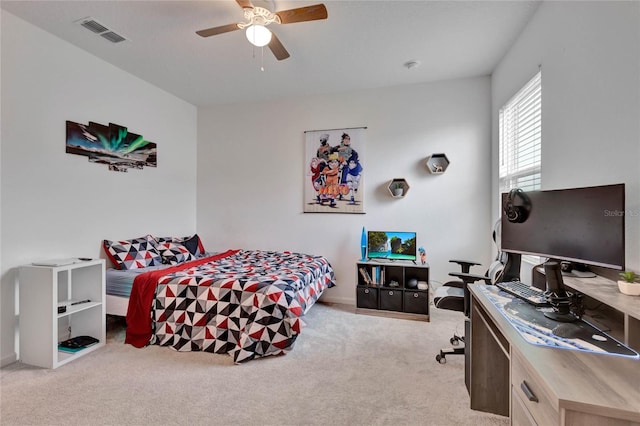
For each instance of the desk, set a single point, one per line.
(623, 312)
(540, 385)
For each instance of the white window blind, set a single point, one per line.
(520, 131)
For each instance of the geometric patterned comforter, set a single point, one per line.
(248, 304)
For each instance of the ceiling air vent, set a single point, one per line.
(93, 25)
(97, 28)
(113, 37)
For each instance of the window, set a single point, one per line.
(520, 134)
(520, 131)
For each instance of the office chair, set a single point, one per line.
(454, 295)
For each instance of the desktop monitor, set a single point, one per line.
(582, 225)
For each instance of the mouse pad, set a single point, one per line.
(537, 329)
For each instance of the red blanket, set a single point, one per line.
(142, 293)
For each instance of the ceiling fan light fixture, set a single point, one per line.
(258, 35)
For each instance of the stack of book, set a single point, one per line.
(77, 343)
(378, 275)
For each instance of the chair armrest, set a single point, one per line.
(470, 278)
(456, 284)
(465, 264)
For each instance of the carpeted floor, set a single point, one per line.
(345, 369)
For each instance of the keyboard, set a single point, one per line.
(529, 294)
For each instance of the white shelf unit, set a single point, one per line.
(42, 288)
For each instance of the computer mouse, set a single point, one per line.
(567, 330)
(599, 338)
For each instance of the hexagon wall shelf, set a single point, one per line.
(398, 188)
(437, 163)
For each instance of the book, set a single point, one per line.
(69, 350)
(365, 275)
(77, 343)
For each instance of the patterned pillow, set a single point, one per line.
(133, 254)
(174, 253)
(193, 244)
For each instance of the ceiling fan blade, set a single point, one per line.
(245, 4)
(277, 48)
(217, 30)
(302, 14)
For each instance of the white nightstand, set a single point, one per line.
(42, 290)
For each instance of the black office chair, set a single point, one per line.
(454, 295)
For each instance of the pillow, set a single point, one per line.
(174, 253)
(193, 244)
(133, 254)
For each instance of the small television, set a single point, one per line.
(582, 225)
(391, 245)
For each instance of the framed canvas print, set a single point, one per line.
(334, 177)
(113, 145)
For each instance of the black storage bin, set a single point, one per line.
(367, 297)
(391, 299)
(416, 302)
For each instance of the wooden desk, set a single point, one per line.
(541, 385)
(622, 312)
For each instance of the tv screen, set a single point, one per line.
(584, 225)
(391, 245)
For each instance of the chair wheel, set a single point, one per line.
(455, 341)
(441, 359)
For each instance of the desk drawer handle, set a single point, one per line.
(366, 291)
(416, 295)
(390, 293)
(530, 395)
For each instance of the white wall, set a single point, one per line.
(251, 170)
(58, 205)
(590, 59)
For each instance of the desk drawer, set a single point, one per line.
(520, 415)
(536, 400)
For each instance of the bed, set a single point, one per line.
(245, 303)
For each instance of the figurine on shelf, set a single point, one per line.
(423, 255)
(437, 168)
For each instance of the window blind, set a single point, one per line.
(520, 134)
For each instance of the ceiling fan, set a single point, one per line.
(258, 18)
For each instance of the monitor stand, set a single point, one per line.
(561, 309)
(556, 293)
(557, 316)
(579, 274)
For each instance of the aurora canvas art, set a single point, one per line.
(113, 145)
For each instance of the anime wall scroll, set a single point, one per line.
(334, 171)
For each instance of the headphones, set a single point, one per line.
(517, 214)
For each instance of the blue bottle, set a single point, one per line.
(363, 245)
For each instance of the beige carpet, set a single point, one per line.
(345, 369)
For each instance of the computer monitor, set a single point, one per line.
(584, 225)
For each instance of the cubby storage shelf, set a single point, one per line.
(385, 289)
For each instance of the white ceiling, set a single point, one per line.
(361, 45)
